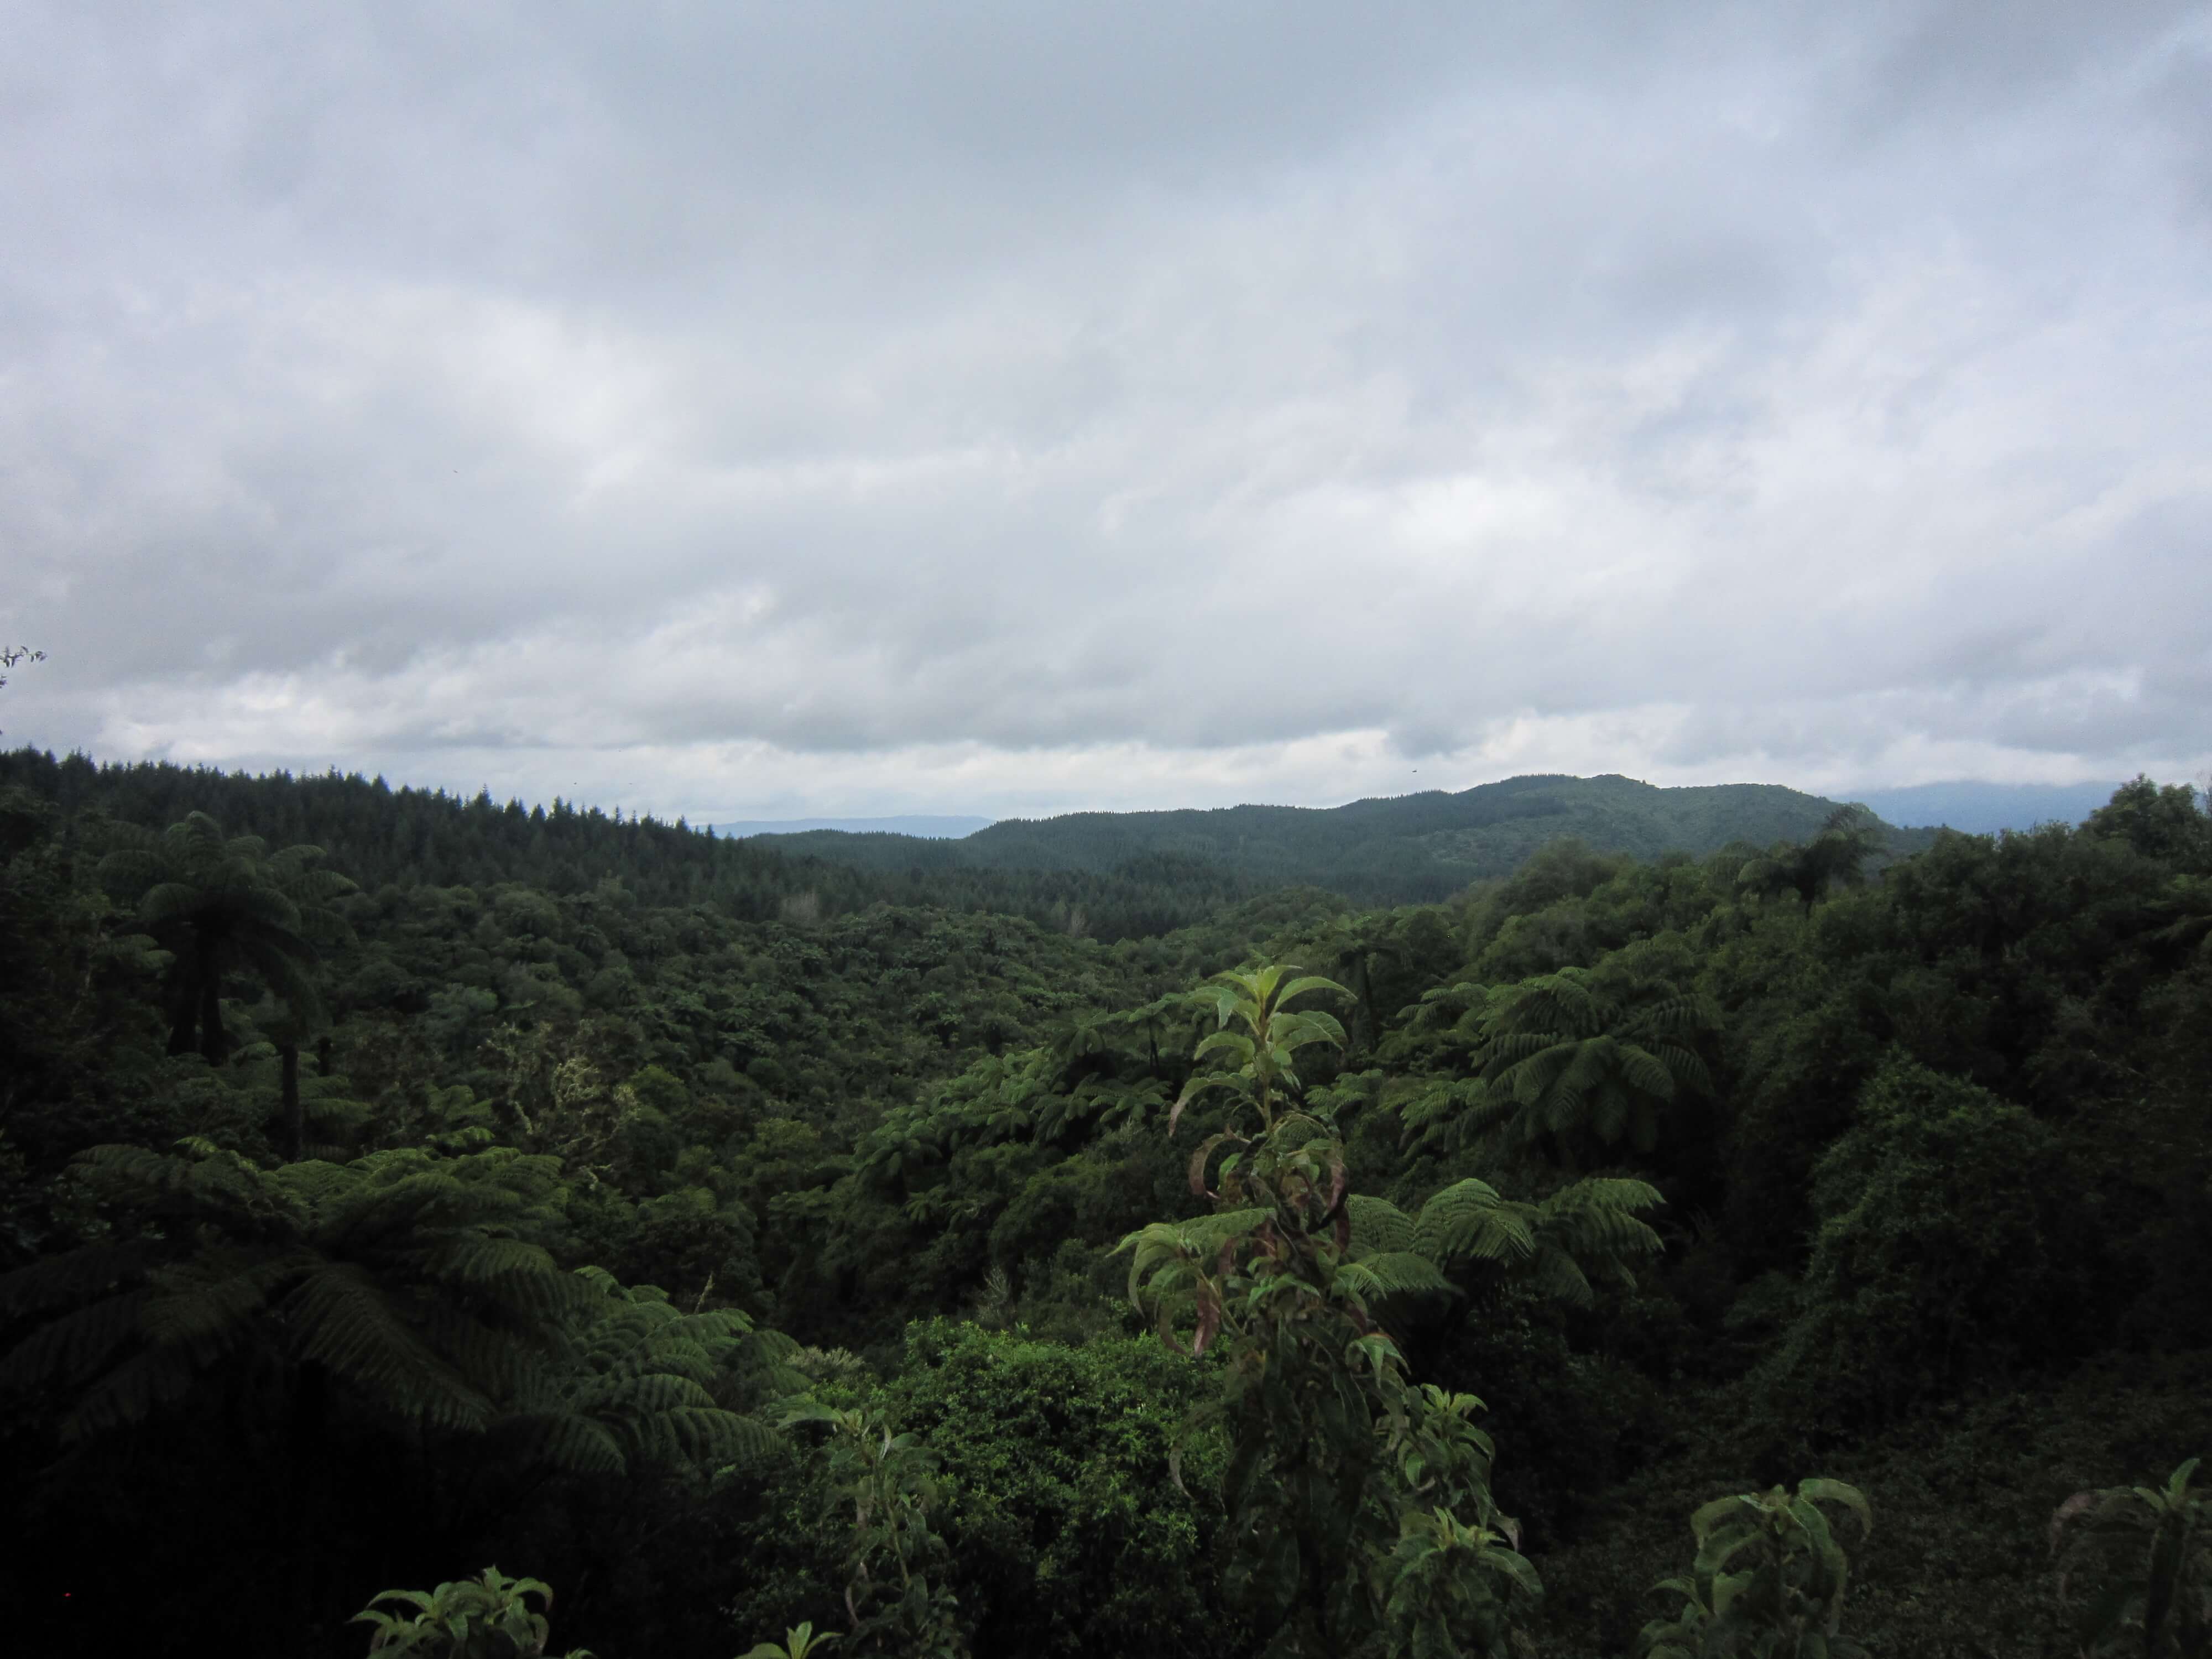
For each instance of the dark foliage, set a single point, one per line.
(1927, 1142)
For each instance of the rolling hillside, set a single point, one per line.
(1408, 848)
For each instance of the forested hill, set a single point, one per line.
(1108, 875)
(1399, 850)
(385, 836)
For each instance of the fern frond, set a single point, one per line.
(316, 1182)
(1600, 1214)
(1469, 1218)
(650, 1396)
(1395, 1273)
(500, 1362)
(475, 1259)
(730, 1437)
(1379, 1225)
(1554, 1272)
(345, 1322)
(583, 1447)
(131, 1392)
(60, 1280)
(222, 1178)
(64, 1352)
(204, 1304)
(1208, 1233)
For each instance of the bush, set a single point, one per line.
(1949, 1248)
(1071, 1535)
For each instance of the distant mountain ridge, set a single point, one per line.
(1397, 849)
(924, 826)
(1114, 874)
(1983, 809)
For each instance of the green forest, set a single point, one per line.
(1569, 1218)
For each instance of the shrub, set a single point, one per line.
(1069, 1531)
(1942, 1252)
(2147, 1554)
(1769, 1580)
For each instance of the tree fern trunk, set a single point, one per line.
(184, 1023)
(210, 972)
(287, 1092)
(302, 1506)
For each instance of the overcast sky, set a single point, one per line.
(749, 411)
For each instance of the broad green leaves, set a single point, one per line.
(1355, 1502)
(890, 1480)
(1768, 1581)
(798, 1643)
(2146, 1555)
(485, 1618)
(1265, 1051)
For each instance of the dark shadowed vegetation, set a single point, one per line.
(1410, 1230)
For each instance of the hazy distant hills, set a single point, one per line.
(1408, 847)
(921, 826)
(1983, 809)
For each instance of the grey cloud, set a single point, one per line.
(1205, 380)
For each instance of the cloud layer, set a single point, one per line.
(755, 411)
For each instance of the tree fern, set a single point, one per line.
(403, 1275)
(224, 904)
(1392, 1272)
(1378, 1224)
(1592, 1228)
(1574, 1060)
(636, 1385)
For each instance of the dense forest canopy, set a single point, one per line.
(1162, 1246)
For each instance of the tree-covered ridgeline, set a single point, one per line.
(1404, 850)
(393, 1186)
(384, 836)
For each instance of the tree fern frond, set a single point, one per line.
(648, 1395)
(1469, 1218)
(1600, 1215)
(205, 1304)
(583, 1447)
(1554, 1272)
(1208, 1233)
(65, 1352)
(59, 1280)
(1393, 1273)
(131, 1392)
(475, 1259)
(1378, 1224)
(211, 1180)
(1643, 1070)
(498, 1362)
(717, 1437)
(346, 1322)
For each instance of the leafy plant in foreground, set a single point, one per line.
(1455, 1587)
(1769, 1579)
(890, 1479)
(1345, 1483)
(486, 1617)
(2149, 1551)
(798, 1643)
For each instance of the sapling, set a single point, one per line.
(1768, 1581)
(2147, 1553)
